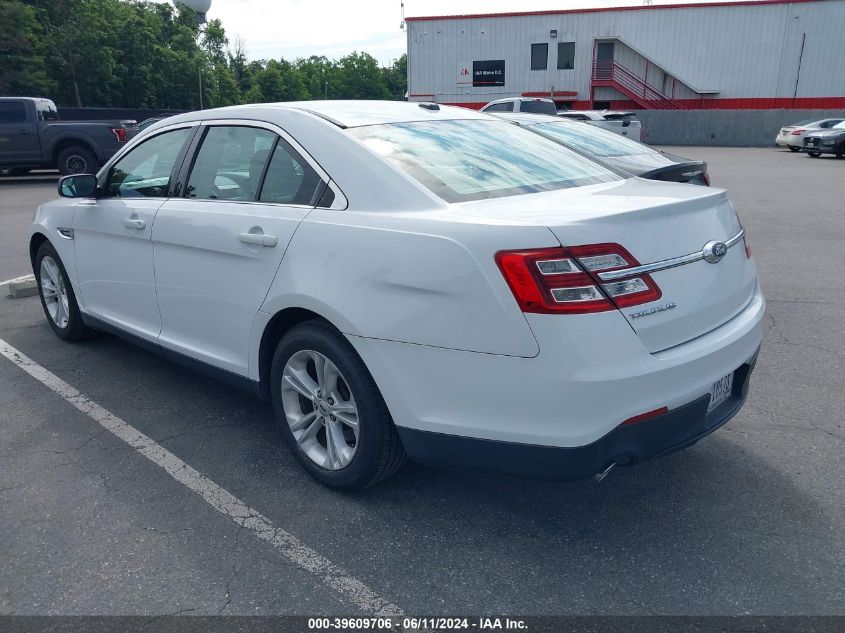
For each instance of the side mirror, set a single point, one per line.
(78, 186)
(626, 121)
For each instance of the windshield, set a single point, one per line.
(591, 139)
(476, 159)
(839, 126)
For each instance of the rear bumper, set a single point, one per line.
(625, 445)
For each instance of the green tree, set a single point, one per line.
(23, 70)
(396, 77)
(359, 77)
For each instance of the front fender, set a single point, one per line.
(49, 218)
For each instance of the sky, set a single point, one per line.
(299, 28)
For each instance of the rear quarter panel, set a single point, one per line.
(407, 278)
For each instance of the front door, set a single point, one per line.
(112, 235)
(218, 248)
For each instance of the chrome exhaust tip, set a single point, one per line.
(600, 476)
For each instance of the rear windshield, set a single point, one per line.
(538, 107)
(591, 139)
(473, 160)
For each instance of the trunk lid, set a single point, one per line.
(655, 222)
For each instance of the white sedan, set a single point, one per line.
(404, 279)
(792, 136)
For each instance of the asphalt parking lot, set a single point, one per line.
(751, 520)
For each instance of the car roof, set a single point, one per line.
(529, 118)
(346, 114)
(513, 99)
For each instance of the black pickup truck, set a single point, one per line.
(32, 137)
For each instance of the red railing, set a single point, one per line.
(632, 86)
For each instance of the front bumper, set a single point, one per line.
(819, 146)
(625, 445)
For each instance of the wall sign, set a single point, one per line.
(489, 72)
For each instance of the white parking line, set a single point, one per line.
(218, 498)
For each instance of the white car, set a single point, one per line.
(532, 105)
(623, 123)
(792, 136)
(412, 279)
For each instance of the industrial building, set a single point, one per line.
(720, 55)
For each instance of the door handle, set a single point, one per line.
(132, 223)
(259, 239)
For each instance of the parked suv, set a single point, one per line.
(521, 104)
(32, 137)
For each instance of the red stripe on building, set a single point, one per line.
(472, 16)
(761, 103)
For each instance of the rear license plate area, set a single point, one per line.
(720, 391)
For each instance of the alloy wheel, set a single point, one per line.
(320, 409)
(54, 291)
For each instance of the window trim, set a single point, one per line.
(559, 44)
(546, 60)
(175, 173)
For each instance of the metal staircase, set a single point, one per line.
(612, 74)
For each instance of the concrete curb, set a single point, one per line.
(19, 287)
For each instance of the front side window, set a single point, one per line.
(145, 171)
(12, 112)
(591, 139)
(565, 55)
(230, 163)
(539, 56)
(463, 160)
(289, 179)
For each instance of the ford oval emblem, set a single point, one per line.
(714, 252)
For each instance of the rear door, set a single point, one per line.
(217, 249)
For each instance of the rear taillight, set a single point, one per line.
(565, 280)
(119, 134)
(706, 178)
(798, 132)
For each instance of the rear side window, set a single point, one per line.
(145, 170)
(591, 139)
(538, 107)
(230, 163)
(46, 111)
(12, 112)
(289, 179)
(473, 159)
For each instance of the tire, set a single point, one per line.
(814, 154)
(793, 148)
(50, 274)
(364, 459)
(77, 159)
